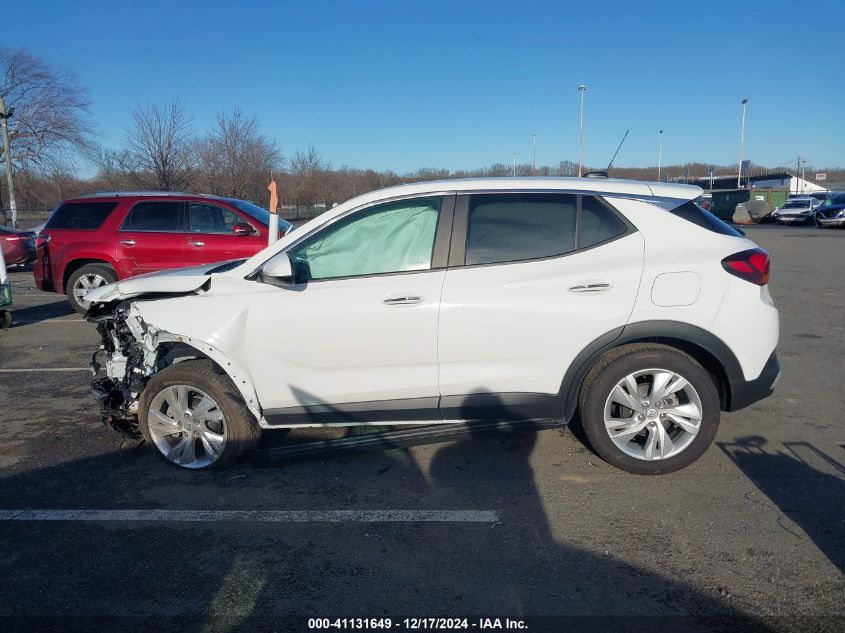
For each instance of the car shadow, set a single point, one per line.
(806, 484)
(252, 575)
(29, 315)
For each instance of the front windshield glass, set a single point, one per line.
(839, 198)
(795, 205)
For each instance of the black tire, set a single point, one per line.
(103, 270)
(628, 359)
(242, 428)
(6, 319)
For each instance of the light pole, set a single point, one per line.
(4, 117)
(741, 141)
(534, 154)
(514, 164)
(659, 155)
(582, 88)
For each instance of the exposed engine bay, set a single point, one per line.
(131, 350)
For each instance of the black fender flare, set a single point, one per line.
(704, 346)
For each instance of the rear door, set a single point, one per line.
(533, 278)
(150, 238)
(211, 237)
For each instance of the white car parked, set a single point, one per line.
(493, 299)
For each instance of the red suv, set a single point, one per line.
(96, 240)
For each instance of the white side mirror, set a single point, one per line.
(279, 267)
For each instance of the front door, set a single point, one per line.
(211, 236)
(354, 339)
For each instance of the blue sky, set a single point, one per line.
(402, 85)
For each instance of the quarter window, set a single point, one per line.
(158, 216)
(598, 223)
(388, 238)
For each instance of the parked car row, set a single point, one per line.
(823, 211)
(18, 246)
(96, 240)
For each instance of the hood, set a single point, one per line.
(167, 281)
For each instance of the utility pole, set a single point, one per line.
(582, 88)
(4, 117)
(514, 164)
(803, 179)
(534, 154)
(741, 142)
(659, 155)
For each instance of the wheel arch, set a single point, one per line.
(175, 349)
(75, 264)
(705, 347)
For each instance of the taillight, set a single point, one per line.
(42, 240)
(751, 265)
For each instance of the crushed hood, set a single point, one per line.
(167, 281)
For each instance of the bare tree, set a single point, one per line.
(51, 119)
(235, 157)
(159, 148)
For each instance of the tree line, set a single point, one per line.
(52, 128)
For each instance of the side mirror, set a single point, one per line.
(242, 228)
(279, 268)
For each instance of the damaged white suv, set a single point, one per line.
(492, 299)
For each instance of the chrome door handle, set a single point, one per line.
(193, 243)
(402, 301)
(128, 242)
(591, 286)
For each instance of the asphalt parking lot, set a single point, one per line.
(512, 524)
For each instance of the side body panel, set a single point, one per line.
(516, 327)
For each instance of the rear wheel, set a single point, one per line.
(86, 279)
(195, 417)
(649, 409)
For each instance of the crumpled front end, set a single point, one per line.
(130, 352)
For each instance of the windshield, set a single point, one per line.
(256, 212)
(796, 204)
(838, 198)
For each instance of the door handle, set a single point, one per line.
(591, 286)
(128, 242)
(195, 243)
(403, 301)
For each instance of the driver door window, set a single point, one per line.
(387, 238)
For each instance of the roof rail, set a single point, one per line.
(147, 193)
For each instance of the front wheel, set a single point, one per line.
(195, 417)
(649, 409)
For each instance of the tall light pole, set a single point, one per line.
(534, 154)
(582, 88)
(4, 117)
(659, 155)
(514, 164)
(741, 142)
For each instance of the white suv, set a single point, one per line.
(504, 299)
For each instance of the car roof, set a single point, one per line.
(608, 186)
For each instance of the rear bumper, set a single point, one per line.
(747, 392)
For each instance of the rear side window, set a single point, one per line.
(691, 212)
(598, 223)
(518, 227)
(85, 216)
(153, 215)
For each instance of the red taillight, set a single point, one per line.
(752, 265)
(41, 240)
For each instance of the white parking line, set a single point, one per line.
(257, 516)
(29, 370)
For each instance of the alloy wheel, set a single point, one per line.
(85, 284)
(187, 426)
(653, 414)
